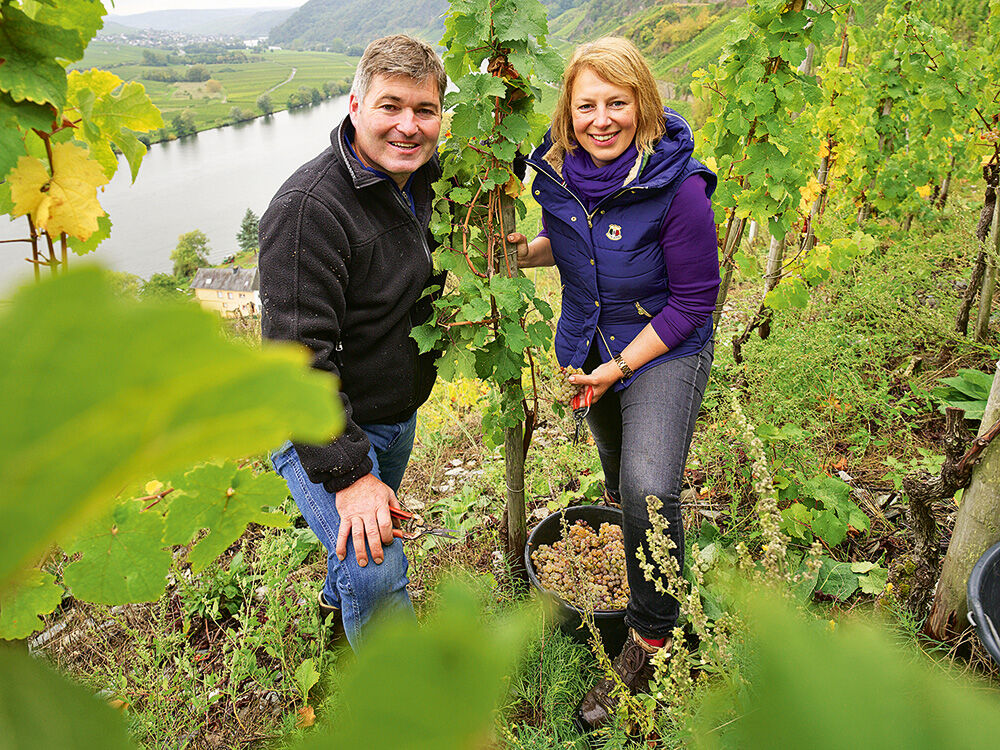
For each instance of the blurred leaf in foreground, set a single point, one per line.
(810, 684)
(41, 709)
(98, 392)
(428, 687)
(20, 610)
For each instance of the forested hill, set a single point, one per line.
(339, 24)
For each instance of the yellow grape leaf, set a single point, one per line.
(810, 192)
(96, 82)
(513, 188)
(153, 487)
(65, 201)
(824, 150)
(924, 191)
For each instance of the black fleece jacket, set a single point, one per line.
(343, 267)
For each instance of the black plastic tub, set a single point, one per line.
(610, 623)
(984, 600)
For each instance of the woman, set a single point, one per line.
(628, 222)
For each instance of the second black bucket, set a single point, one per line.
(610, 623)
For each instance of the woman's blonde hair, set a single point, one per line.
(617, 61)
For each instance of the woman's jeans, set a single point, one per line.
(377, 587)
(643, 434)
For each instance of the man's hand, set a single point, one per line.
(364, 513)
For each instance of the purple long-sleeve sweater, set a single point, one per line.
(691, 259)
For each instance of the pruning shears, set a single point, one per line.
(419, 525)
(580, 403)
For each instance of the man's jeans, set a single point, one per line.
(359, 592)
(643, 434)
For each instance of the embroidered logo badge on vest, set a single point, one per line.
(614, 232)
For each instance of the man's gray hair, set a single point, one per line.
(398, 55)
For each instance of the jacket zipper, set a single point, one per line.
(409, 314)
(420, 231)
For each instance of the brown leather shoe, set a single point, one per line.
(635, 668)
(336, 624)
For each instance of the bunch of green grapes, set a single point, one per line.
(585, 569)
(565, 390)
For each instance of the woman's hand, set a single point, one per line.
(603, 377)
(538, 252)
(522, 247)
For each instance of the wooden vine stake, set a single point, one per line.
(977, 527)
(515, 445)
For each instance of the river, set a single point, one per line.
(204, 182)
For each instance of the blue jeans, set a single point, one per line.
(377, 587)
(643, 434)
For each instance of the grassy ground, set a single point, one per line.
(833, 389)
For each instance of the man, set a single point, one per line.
(344, 261)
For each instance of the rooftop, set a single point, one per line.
(227, 279)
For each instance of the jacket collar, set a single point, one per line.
(666, 163)
(361, 176)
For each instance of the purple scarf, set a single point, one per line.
(593, 183)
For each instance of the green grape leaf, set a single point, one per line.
(11, 148)
(123, 559)
(112, 109)
(460, 195)
(828, 527)
(515, 127)
(796, 521)
(76, 720)
(26, 115)
(20, 608)
(80, 247)
(30, 70)
(426, 336)
(123, 410)
(133, 149)
(17, 118)
(519, 20)
(836, 579)
(86, 17)
(874, 581)
(505, 150)
(223, 499)
(790, 293)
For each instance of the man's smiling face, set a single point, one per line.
(397, 124)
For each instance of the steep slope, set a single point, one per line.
(676, 37)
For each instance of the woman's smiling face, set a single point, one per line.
(604, 117)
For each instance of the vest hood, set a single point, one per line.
(668, 161)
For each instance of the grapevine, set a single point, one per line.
(58, 130)
(489, 318)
